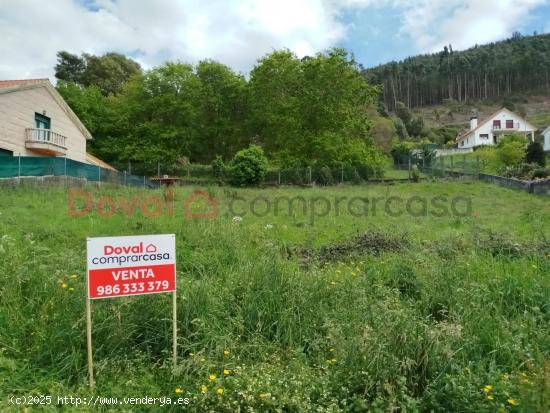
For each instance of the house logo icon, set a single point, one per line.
(150, 248)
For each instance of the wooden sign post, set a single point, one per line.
(133, 265)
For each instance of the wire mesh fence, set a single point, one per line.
(26, 166)
(195, 174)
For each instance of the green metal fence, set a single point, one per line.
(22, 166)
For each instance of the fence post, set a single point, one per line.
(99, 174)
(442, 162)
(477, 162)
(188, 171)
(19, 168)
(279, 177)
(342, 180)
(309, 172)
(144, 181)
(409, 167)
(452, 166)
(124, 178)
(158, 169)
(65, 170)
(130, 167)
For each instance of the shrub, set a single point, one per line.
(415, 174)
(248, 167)
(510, 150)
(401, 152)
(218, 168)
(535, 154)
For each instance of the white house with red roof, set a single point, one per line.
(36, 121)
(490, 130)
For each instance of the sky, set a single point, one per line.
(239, 32)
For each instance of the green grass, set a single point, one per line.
(466, 303)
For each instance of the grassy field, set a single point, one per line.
(339, 306)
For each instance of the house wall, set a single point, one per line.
(17, 110)
(487, 128)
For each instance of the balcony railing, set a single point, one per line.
(45, 140)
(505, 127)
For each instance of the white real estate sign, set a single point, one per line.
(140, 264)
(132, 265)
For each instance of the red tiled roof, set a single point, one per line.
(20, 82)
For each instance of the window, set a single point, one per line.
(461, 143)
(484, 136)
(509, 124)
(496, 124)
(41, 121)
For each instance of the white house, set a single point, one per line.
(546, 134)
(490, 130)
(36, 121)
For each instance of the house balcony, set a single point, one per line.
(505, 128)
(45, 142)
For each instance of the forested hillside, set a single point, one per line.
(520, 64)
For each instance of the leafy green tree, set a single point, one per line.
(69, 67)
(275, 89)
(303, 109)
(108, 72)
(222, 111)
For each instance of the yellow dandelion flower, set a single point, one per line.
(512, 402)
(490, 397)
(264, 395)
(353, 274)
(191, 354)
(178, 390)
(71, 289)
(74, 276)
(212, 377)
(226, 352)
(487, 388)
(204, 389)
(226, 372)
(219, 391)
(333, 361)
(202, 360)
(534, 266)
(64, 285)
(331, 350)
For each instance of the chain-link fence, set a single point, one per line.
(23, 166)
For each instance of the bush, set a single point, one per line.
(218, 168)
(535, 154)
(524, 171)
(248, 167)
(510, 150)
(415, 174)
(401, 152)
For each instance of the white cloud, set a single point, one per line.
(233, 32)
(463, 23)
